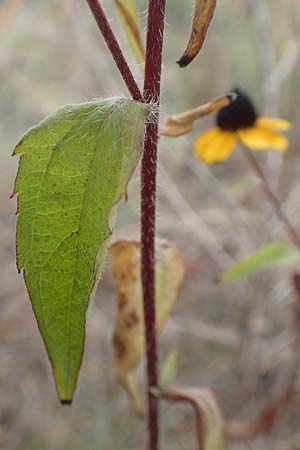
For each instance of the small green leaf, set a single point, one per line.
(168, 373)
(169, 370)
(271, 255)
(74, 168)
(156, 392)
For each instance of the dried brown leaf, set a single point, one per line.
(182, 123)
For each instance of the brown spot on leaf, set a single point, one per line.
(132, 319)
(122, 301)
(119, 346)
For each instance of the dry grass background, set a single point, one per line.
(232, 338)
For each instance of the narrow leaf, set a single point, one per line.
(169, 370)
(271, 255)
(74, 168)
(131, 23)
(129, 340)
(203, 14)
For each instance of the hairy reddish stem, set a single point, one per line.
(156, 11)
(151, 94)
(114, 48)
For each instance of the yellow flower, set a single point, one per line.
(239, 122)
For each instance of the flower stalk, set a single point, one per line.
(272, 197)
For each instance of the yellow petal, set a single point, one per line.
(273, 123)
(260, 138)
(215, 145)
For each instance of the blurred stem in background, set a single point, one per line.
(273, 70)
(272, 197)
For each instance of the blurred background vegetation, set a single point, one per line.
(233, 338)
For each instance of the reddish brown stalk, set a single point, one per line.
(156, 11)
(114, 48)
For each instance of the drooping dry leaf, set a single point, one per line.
(209, 421)
(182, 123)
(128, 339)
(203, 14)
(131, 23)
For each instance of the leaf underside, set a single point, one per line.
(74, 168)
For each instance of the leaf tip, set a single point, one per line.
(66, 401)
(184, 61)
(16, 150)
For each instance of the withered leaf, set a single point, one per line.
(128, 339)
(180, 124)
(203, 14)
(209, 421)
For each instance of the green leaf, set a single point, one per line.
(169, 370)
(168, 373)
(74, 168)
(271, 255)
(156, 392)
